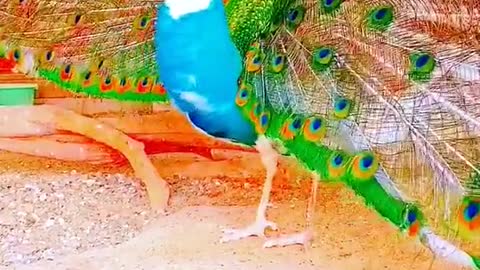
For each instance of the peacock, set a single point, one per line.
(375, 94)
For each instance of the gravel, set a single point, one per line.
(46, 215)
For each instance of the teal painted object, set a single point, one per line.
(17, 94)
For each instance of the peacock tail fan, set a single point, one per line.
(101, 48)
(378, 94)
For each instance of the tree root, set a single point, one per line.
(41, 120)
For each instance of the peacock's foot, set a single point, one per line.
(255, 229)
(304, 238)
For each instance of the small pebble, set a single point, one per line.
(42, 197)
(49, 223)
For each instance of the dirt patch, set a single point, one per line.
(208, 196)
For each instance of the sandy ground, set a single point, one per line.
(63, 215)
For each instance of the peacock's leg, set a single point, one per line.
(303, 238)
(37, 120)
(269, 157)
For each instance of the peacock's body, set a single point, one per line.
(377, 94)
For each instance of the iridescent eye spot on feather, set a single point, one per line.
(411, 217)
(243, 95)
(364, 166)
(278, 63)
(342, 107)
(45, 58)
(100, 63)
(88, 75)
(15, 55)
(471, 211)
(422, 66)
(296, 124)
(123, 81)
(412, 221)
(141, 22)
(75, 19)
(106, 84)
(144, 85)
(322, 58)
(469, 216)
(314, 129)
(380, 18)
(123, 85)
(263, 121)
(254, 63)
(48, 56)
(291, 128)
(330, 6)
(96, 65)
(67, 72)
(295, 17)
(87, 78)
(337, 166)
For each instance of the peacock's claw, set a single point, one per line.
(255, 229)
(304, 238)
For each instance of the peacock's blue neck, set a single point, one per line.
(199, 66)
